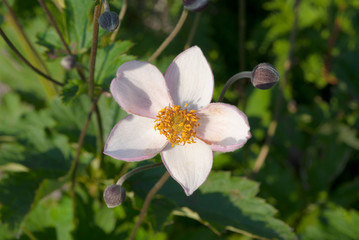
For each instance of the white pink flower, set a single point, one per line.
(172, 115)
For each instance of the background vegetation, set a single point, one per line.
(296, 178)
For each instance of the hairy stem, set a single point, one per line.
(13, 48)
(97, 12)
(137, 170)
(170, 37)
(233, 79)
(273, 124)
(147, 202)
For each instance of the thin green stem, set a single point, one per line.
(137, 170)
(273, 124)
(54, 24)
(97, 12)
(147, 202)
(120, 18)
(234, 78)
(14, 49)
(170, 37)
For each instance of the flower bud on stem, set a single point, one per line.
(108, 19)
(115, 194)
(264, 76)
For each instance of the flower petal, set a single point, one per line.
(140, 89)
(190, 80)
(189, 165)
(223, 126)
(134, 139)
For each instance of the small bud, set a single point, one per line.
(108, 21)
(114, 195)
(195, 5)
(264, 76)
(68, 62)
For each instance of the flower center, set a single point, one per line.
(177, 124)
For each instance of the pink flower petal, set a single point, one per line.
(134, 139)
(189, 165)
(140, 89)
(223, 126)
(190, 79)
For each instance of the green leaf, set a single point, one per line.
(72, 90)
(224, 202)
(109, 59)
(78, 22)
(330, 223)
(44, 156)
(54, 212)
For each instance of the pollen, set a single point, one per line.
(177, 124)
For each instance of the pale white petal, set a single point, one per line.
(140, 89)
(190, 80)
(134, 139)
(223, 126)
(189, 165)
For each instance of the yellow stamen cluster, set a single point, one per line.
(177, 124)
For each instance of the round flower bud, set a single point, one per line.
(195, 5)
(68, 62)
(264, 76)
(108, 21)
(114, 195)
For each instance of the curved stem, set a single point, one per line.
(171, 36)
(120, 18)
(234, 78)
(273, 125)
(9, 43)
(147, 202)
(97, 12)
(193, 31)
(137, 170)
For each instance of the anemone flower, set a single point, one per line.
(172, 115)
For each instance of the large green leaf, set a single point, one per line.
(224, 202)
(34, 158)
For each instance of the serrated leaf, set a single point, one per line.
(222, 201)
(109, 59)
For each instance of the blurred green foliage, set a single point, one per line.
(308, 185)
